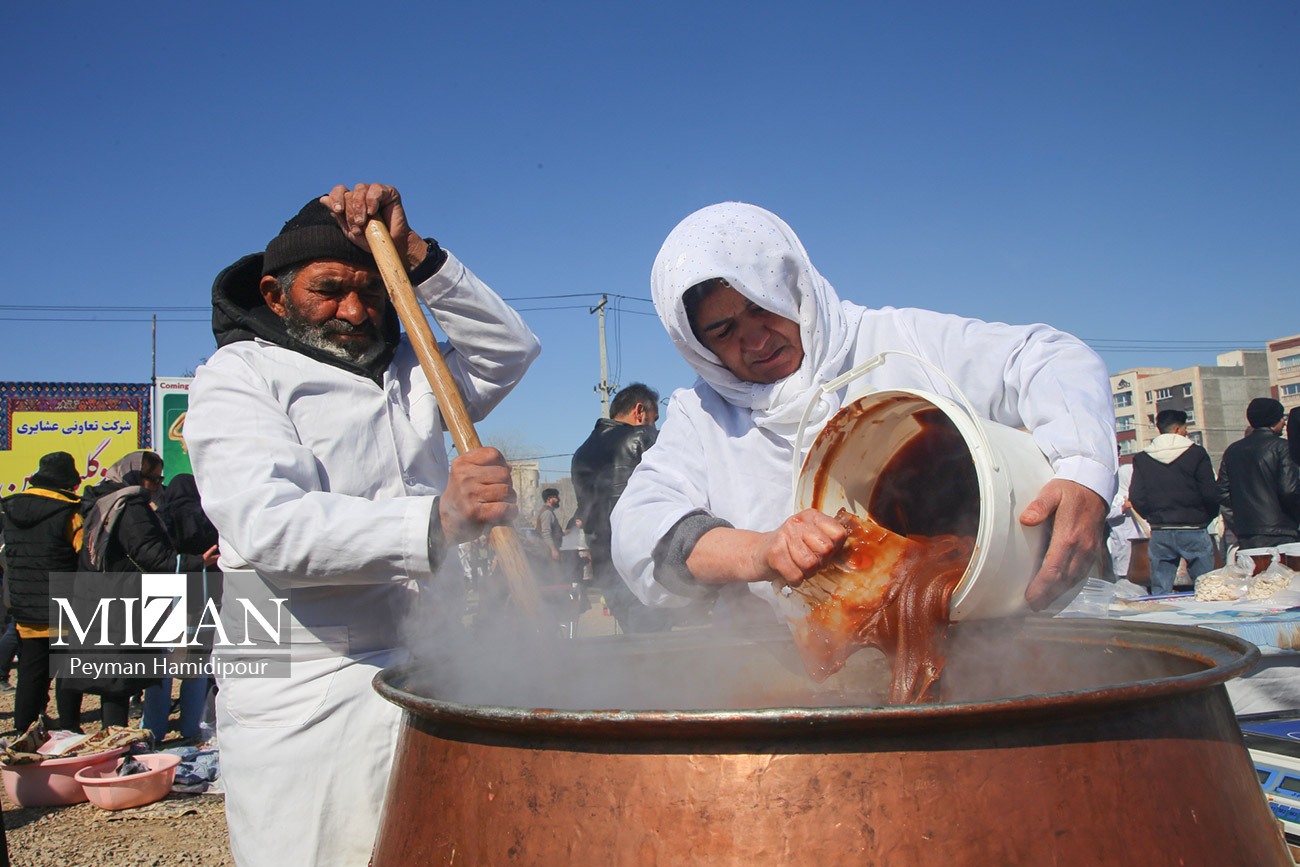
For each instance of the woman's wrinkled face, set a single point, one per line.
(755, 344)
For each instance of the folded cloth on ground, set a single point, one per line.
(198, 770)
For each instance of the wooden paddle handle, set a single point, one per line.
(505, 541)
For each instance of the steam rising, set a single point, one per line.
(510, 664)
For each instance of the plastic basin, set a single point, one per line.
(107, 790)
(53, 782)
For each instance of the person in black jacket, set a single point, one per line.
(1260, 481)
(180, 508)
(124, 536)
(600, 469)
(42, 535)
(1173, 489)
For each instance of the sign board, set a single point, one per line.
(96, 423)
(171, 400)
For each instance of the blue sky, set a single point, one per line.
(1129, 172)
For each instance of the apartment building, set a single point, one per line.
(1214, 398)
(1284, 369)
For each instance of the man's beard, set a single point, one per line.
(318, 336)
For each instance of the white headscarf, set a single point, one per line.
(762, 258)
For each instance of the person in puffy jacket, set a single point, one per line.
(1260, 481)
(42, 535)
(1174, 490)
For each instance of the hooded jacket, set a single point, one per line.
(726, 450)
(1260, 485)
(240, 313)
(42, 532)
(1173, 484)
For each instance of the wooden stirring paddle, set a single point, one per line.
(505, 541)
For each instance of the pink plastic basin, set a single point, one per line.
(107, 790)
(53, 782)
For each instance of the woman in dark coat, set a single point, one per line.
(123, 535)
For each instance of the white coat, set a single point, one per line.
(322, 483)
(726, 447)
(1122, 525)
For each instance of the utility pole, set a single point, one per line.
(153, 350)
(605, 388)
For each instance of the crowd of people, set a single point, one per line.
(1171, 496)
(318, 446)
(124, 525)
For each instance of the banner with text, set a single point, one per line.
(96, 423)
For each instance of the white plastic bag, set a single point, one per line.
(1228, 584)
(1274, 579)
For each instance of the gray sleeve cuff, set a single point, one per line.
(677, 544)
(437, 541)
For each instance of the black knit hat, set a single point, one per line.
(58, 471)
(312, 234)
(1264, 412)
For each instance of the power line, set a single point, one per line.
(95, 319)
(576, 295)
(124, 307)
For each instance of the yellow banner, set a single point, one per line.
(96, 440)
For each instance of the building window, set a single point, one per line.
(1164, 393)
(1196, 437)
(1288, 361)
(1191, 415)
(1187, 390)
(1291, 390)
(1148, 397)
(1124, 422)
(1151, 420)
(1128, 447)
(1124, 398)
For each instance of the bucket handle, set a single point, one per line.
(867, 366)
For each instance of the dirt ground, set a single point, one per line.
(182, 829)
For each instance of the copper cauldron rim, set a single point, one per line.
(1225, 656)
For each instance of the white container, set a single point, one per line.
(844, 469)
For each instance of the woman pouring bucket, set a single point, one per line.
(710, 510)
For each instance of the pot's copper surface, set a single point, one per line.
(1128, 755)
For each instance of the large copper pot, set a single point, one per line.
(1117, 745)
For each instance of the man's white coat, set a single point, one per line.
(321, 483)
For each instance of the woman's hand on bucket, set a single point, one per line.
(1078, 513)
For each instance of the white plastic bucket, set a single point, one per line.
(845, 467)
